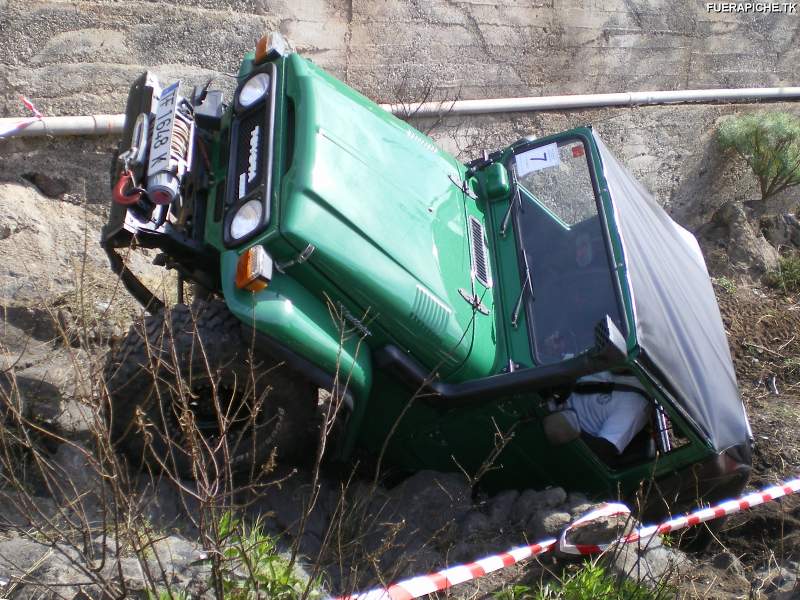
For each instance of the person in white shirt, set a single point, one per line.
(607, 409)
(611, 409)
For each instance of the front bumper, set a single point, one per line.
(125, 228)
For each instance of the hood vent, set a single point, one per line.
(429, 312)
(480, 259)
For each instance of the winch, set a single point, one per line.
(168, 135)
(171, 146)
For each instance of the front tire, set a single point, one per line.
(186, 394)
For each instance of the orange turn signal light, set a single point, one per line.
(270, 46)
(254, 269)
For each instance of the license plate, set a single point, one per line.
(163, 129)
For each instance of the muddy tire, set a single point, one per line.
(184, 393)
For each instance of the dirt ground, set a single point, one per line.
(763, 327)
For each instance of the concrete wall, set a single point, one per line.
(79, 57)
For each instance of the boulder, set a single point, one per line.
(54, 277)
(733, 245)
(781, 230)
(650, 564)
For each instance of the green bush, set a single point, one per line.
(726, 284)
(590, 582)
(787, 276)
(770, 143)
(254, 568)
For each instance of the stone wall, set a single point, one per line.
(79, 57)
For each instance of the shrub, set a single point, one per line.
(787, 276)
(770, 144)
(253, 566)
(726, 284)
(590, 582)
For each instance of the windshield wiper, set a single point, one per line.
(526, 285)
(507, 216)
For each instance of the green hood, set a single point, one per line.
(378, 200)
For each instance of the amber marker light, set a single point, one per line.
(270, 46)
(254, 269)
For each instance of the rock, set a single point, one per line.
(524, 506)
(18, 554)
(177, 553)
(551, 497)
(52, 187)
(13, 403)
(548, 524)
(54, 385)
(42, 567)
(781, 230)
(44, 244)
(580, 509)
(170, 561)
(576, 499)
(732, 244)
(48, 253)
(39, 324)
(76, 480)
(21, 510)
(474, 523)
(601, 531)
(651, 565)
(423, 510)
(430, 500)
(286, 503)
(531, 502)
(780, 583)
(163, 504)
(500, 508)
(728, 562)
(310, 545)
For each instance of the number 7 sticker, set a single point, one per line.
(537, 159)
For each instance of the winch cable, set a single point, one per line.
(423, 585)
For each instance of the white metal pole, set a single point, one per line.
(88, 125)
(500, 105)
(113, 124)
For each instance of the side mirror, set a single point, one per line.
(497, 183)
(561, 427)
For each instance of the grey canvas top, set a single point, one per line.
(677, 319)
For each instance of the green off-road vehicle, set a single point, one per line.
(453, 309)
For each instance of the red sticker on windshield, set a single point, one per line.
(577, 151)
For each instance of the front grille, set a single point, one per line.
(248, 175)
(480, 261)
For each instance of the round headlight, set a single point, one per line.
(254, 90)
(246, 219)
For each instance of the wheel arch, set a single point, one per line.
(293, 325)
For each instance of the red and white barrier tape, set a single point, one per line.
(29, 105)
(715, 512)
(19, 125)
(610, 509)
(441, 580)
(427, 584)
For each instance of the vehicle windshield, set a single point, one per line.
(563, 250)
